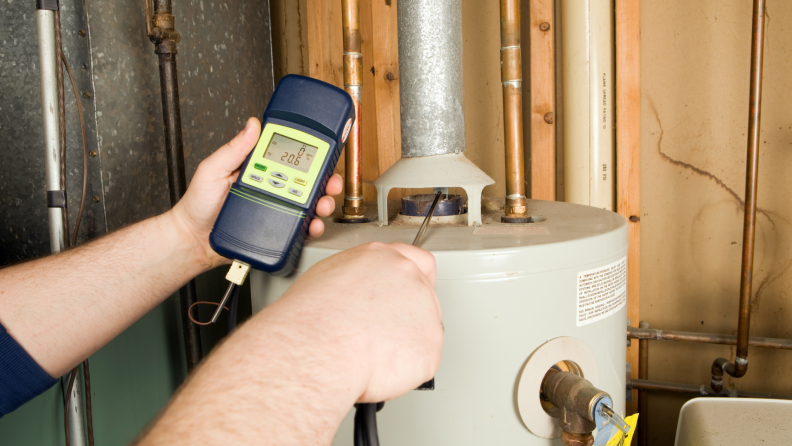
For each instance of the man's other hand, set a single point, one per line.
(376, 306)
(362, 325)
(200, 206)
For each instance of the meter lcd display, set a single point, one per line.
(290, 152)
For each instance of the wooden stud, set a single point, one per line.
(628, 152)
(369, 127)
(325, 42)
(542, 93)
(386, 82)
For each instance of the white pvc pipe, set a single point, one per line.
(587, 41)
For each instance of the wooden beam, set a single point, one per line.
(325, 51)
(542, 103)
(369, 125)
(325, 42)
(628, 151)
(386, 82)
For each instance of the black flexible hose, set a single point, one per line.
(366, 424)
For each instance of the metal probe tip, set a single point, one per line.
(226, 296)
(426, 221)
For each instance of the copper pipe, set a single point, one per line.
(643, 395)
(702, 390)
(705, 338)
(161, 30)
(353, 83)
(740, 365)
(516, 210)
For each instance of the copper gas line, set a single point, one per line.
(353, 210)
(705, 338)
(700, 390)
(511, 76)
(739, 367)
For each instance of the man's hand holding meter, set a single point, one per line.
(288, 375)
(198, 209)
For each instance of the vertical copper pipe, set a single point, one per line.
(511, 76)
(353, 83)
(643, 395)
(163, 34)
(740, 365)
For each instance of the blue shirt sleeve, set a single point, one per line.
(21, 378)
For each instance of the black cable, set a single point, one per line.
(365, 432)
(359, 437)
(232, 310)
(88, 409)
(69, 386)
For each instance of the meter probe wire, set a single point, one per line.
(231, 297)
(365, 431)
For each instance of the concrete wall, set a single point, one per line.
(695, 79)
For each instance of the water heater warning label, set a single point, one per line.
(601, 292)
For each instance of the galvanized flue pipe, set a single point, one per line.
(739, 367)
(705, 338)
(430, 77)
(515, 209)
(353, 209)
(160, 27)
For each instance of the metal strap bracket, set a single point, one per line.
(56, 199)
(47, 5)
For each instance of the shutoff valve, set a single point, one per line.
(580, 408)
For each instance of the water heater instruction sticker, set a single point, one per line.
(601, 292)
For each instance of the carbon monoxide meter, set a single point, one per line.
(264, 220)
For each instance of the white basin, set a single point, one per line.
(727, 421)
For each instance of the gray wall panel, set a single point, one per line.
(225, 76)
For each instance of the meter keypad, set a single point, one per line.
(277, 184)
(280, 176)
(296, 192)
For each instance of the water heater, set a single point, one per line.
(517, 300)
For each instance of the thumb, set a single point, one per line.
(230, 156)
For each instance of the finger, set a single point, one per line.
(316, 229)
(421, 257)
(325, 207)
(334, 185)
(231, 155)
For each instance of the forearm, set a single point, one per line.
(274, 382)
(63, 308)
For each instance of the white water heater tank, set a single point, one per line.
(517, 299)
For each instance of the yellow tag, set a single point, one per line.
(618, 439)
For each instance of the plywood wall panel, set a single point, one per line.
(695, 79)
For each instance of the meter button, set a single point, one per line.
(294, 191)
(279, 176)
(276, 183)
(256, 178)
(260, 167)
(300, 181)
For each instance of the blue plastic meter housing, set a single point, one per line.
(268, 231)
